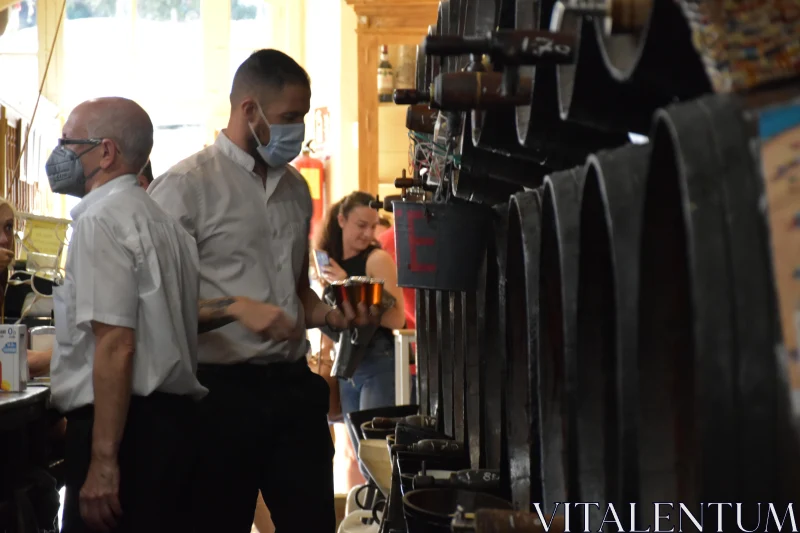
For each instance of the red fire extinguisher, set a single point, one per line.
(313, 170)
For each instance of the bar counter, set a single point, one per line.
(29, 464)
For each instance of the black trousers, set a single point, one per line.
(155, 461)
(264, 427)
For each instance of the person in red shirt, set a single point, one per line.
(386, 240)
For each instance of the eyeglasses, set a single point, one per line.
(64, 141)
(91, 143)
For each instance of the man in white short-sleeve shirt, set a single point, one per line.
(264, 423)
(126, 315)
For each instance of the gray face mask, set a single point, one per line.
(65, 170)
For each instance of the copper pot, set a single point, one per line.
(358, 289)
(373, 291)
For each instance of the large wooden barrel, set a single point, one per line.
(446, 357)
(521, 332)
(489, 129)
(705, 249)
(421, 320)
(658, 60)
(475, 343)
(494, 350)
(588, 94)
(434, 374)
(686, 343)
(605, 387)
(557, 331)
(539, 126)
(458, 326)
(473, 187)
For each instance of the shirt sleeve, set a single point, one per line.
(177, 197)
(105, 276)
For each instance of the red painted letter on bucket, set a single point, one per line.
(414, 242)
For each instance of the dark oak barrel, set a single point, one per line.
(421, 303)
(522, 328)
(444, 29)
(490, 175)
(557, 329)
(489, 129)
(434, 361)
(605, 387)
(494, 350)
(659, 62)
(588, 94)
(446, 357)
(475, 188)
(457, 347)
(475, 343)
(497, 168)
(686, 342)
(540, 130)
(423, 82)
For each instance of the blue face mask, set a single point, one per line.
(285, 142)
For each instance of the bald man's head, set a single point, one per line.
(115, 119)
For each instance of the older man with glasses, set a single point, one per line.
(126, 316)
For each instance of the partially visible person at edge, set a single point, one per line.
(126, 316)
(145, 177)
(38, 361)
(386, 242)
(348, 236)
(264, 424)
(384, 224)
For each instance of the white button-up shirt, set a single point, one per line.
(251, 240)
(129, 264)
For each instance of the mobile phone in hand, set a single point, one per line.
(321, 259)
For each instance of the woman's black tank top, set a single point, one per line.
(357, 266)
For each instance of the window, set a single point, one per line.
(251, 30)
(96, 54)
(19, 46)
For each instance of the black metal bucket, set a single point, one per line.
(440, 246)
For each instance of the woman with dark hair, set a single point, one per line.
(348, 237)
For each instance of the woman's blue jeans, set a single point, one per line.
(372, 384)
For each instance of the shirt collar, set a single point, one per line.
(242, 158)
(124, 182)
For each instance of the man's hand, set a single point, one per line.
(99, 497)
(347, 317)
(265, 319)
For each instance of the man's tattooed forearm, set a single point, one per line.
(213, 314)
(215, 308)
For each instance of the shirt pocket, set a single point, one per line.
(64, 312)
